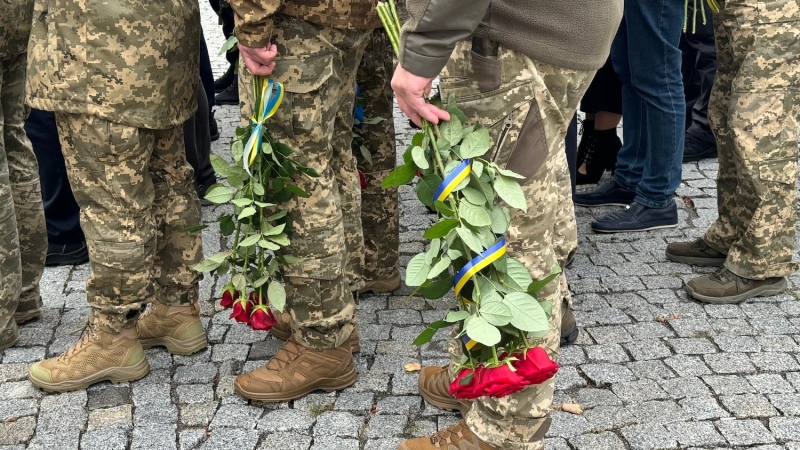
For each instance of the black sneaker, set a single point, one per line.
(637, 217)
(608, 193)
(222, 83)
(230, 96)
(695, 149)
(66, 255)
(213, 127)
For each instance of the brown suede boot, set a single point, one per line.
(283, 330)
(177, 328)
(382, 286)
(296, 371)
(97, 356)
(456, 437)
(434, 386)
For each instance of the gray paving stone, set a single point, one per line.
(567, 425)
(590, 397)
(648, 349)
(662, 412)
(770, 383)
(287, 441)
(610, 334)
(653, 369)
(17, 390)
(691, 327)
(191, 438)
(386, 426)
(399, 405)
(683, 387)
(785, 428)
(236, 438)
(787, 404)
(639, 391)
(198, 414)
(703, 408)
(571, 355)
(774, 362)
(649, 437)
(13, 372)
(242, 416)
(725, 363)
(687, 366)
(107, 439)
(17, 432)
(63, 439)
(198, 373)
(600, 441)
(229, 352)
(371, 382)
(569, 378)
(601, 374)
(556, 444)
(286, 421)
(334, 443)
(23, 354)
(774, 325)
(117, 417)
(692, 346)
(154, 436)
(62, 412)
(729, 384)
(696, 433)
(605, 418)
(109, 396)
(748, 405)
(338, 423)
(745, 432)
(777, 343)
(735, 344)
(736, 326)
(649, 330)
(195, 393)
(18, 407)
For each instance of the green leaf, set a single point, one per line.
(426, 187)
(480, 330)
(510, 191)
(452, 130)
(443, 209)
(277, 215)
(194, 229)
(276, 295)
(427, 333)
(218, 194)
(477, 168)
(526, 313)
(258, 188)
(433, 251)
(266, 148)
(366, 154)
(437, 289)
(237, 149)
(242, 202)
(495, 312)
(440, 267)
(399, 176)
(260, 282)
(263, 243)
(226, 226)
(453, 254)
(476, 144)
(417, 270)
(272, 231)
(536, 286)
(229, 44)
(518, 273)
(501, 219)
(473, 196)
(470, 238)
(374, 120)
(207, 265)
(281, 239)
(297, 191)
(239, 282)
(418, 154)
(247, 212)
(219, 257)
(417, 139)
(221, 167)
(249, 240)
(456, 316)
(457, 113)
(508, 173)
(440, 229)
(474, 215)
(289, 259)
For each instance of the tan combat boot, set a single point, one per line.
(97, 356)
(283, 330)
(456, 437)
(434, 386)
(381, 286)
(177, 328)
(296, 371)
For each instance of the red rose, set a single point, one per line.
(362, 179)
(241, 310)
(536, 366)
(459, 386)
(254, 298)
(229, 294)
(261, 318)
(500, 381)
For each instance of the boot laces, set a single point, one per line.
(87, 335)
(286, 354)
(725, 275)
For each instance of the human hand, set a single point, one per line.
(259, 61)
(409, 89)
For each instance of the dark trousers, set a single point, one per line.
(197, 139)
(61, 212)
(206, 73)
(571, 143)
(698, 67)
(225, 13)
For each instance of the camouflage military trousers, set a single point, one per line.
(23, 237)
(136, 195)
(527, 106)
(317, 66)
(380, 212)
(753, 111)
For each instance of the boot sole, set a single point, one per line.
(10, 344)
(763, 291)
(354, 347)
(27, 316)
(322, 384)
(114, 374)
(380, 287)
(695, 260)
(569, 337)
(184, 347)
(651, 228)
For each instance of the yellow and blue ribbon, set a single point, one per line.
(450, 182)
(478, 263)
(271, 98)
(470, 344)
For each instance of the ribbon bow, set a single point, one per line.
(271, 98)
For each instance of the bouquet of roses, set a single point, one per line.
(499, 320)
(259, 178)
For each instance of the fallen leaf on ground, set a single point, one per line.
(413, 367)
(572, 408)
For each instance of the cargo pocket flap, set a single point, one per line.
(302, 75)
(327, 268)
(780, 171)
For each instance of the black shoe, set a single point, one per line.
(600, 148)
(230, 96)
(695, 149)
(213, 127)
(638, 217)
(608, 193)
(222, 83)
(66, 255)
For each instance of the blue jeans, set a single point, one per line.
(646, 57)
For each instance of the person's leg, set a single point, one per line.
(700, 142)
(66, 243)
(571, 146)
(380, 209)
(23, 174)
(197, 145)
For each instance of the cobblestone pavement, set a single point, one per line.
(652, 369)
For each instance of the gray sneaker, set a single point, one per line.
(697, 253)
(724, 287)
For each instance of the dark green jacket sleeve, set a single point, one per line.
(435, 26)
